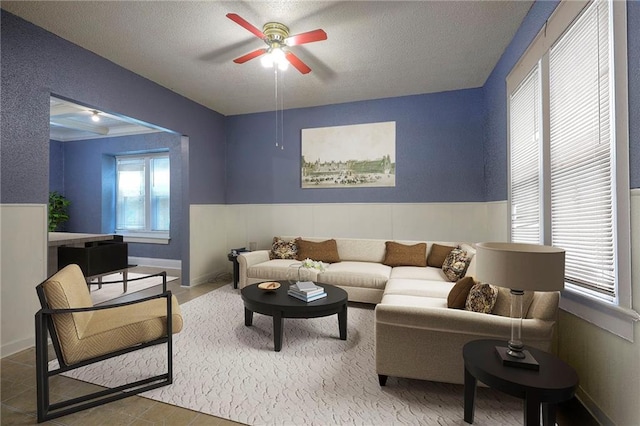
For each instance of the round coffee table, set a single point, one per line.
(279, 305)
(556, 381)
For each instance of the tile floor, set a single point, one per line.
(18, 391)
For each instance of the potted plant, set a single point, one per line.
(58, 205)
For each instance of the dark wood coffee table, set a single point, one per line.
(279, 305)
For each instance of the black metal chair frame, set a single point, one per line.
(44, 322)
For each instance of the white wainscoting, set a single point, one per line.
(216, 229)
(472, 222)
(23, 251)
(207, 242)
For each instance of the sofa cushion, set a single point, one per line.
(278, 269)
(418, 288)
(418, 273)
(281, 249)
(361, 250)
(408, 301)
(503, 302)
(482, 297)
(397, 254)
(457, 297)
(438, 254)
(356, 274)
(456, 264)
(324, 251)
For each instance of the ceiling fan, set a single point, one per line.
(277, 38)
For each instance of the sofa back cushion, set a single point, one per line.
(397, 254)
(503, 302)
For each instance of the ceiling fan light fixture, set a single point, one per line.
(95, 117)
(275, 56)
(267, 60)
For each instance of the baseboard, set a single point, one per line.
(17, 346)
(595, 411)
(210, 277)
(158, 263)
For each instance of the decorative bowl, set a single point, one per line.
(269, 286)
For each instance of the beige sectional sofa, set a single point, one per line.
(417, 335)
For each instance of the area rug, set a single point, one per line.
(223, 368)
(112, 291)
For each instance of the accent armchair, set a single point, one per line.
(83, 334)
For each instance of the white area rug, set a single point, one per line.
(112, 291)
(228, 370)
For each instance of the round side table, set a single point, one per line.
(554, 382)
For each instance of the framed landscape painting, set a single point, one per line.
(359, 155)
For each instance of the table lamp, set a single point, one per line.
(519, 267)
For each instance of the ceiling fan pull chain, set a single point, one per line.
(282, 112)
(275, 73)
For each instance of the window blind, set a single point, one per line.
(525, 160)
(581, 151)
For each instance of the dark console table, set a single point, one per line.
(96, 258)
(555, 382)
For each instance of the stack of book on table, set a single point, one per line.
(307, 291)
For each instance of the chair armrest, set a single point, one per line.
(49, 311)
(162, 274)
(248, 259)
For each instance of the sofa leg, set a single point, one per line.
(382, 379)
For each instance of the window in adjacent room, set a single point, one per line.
(568, 156)
(142, 195)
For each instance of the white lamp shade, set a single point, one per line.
(517, 266)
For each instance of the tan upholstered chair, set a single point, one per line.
(83, 334)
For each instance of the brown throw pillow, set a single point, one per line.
(437, 255)
(458, 295)
(281, 249)
(482, 298)
(325, 251)
(397, 254)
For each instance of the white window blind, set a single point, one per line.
(581, 151)
(525, 161)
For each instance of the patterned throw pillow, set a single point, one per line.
(456, 264)
(482, 298)
(281, 249)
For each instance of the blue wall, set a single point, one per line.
(36, 64)
(93, 195)
(496, 97)
(439, 151)
(56, 167)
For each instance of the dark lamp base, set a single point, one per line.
(528, 362)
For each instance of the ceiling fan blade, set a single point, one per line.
(250, 56)
(244, 24)
(308, 37)
(297, 63)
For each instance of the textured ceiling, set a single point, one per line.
(374, 49)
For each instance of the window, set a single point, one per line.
(142, 195)
(568, 156)
(525, 162)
